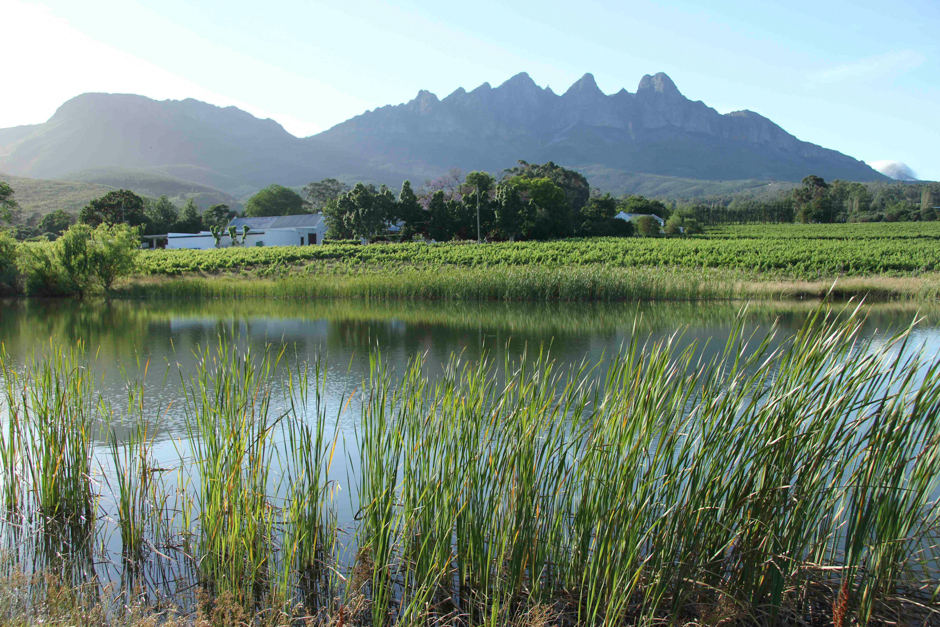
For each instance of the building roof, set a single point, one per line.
(306, 221)
(623, 215)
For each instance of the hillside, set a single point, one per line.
(154, 183)
(616, 139)
(45, 196)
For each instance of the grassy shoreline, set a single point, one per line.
(527, 284)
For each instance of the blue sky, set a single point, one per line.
(859, 77)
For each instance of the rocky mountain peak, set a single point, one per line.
(520, 81)
(585, 86)
(424, 101)
(658, 83)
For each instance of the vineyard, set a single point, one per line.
(804, 252)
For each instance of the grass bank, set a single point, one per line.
(589, 283)
(791, 483)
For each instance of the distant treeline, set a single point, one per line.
(817, 201)
(527, 202)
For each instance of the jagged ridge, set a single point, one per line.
(655, 130)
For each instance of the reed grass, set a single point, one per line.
(588, 283)
(784, 481)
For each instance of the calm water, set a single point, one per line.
(160, 344)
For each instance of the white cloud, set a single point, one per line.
(897, 170)
(47, 62)
(870, 67)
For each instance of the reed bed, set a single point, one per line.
(587, 283)
(783, 482)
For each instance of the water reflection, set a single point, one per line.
(164, 340)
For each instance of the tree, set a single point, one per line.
(56, 222)
(217, 215)
(575, 187)
(114, 250)
(275, 200)
(812, 200)
(410, 213)
(161, 215)
(189, 219)
(318, 194)
(927, 211)
(117, 207)
(368, 211)
(646, 226)
(643, 205)
(550, 214)
(334, 213)
(8, 270)
(440, 222)
(596, 216)
(478, 194)
(73, 251)
(9, 210)
(512, 217)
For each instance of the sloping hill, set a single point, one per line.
(154, 183)
(45, 196)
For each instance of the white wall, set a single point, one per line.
(268, 237)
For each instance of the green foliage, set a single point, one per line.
(118, 207)
(793, 251)
(812, 200)
(772, 478)
(640, 204)
(318, 194)
(56, 222)
(360, 213)
(548, 212)
(576, 189)
(440, 220)
(8, 269)
(189, 219)
(79, 260)
(161, 215)
(679, 224)
(45, 196)
(597, 219)
(513, 218)
(413, 218)
(646, 226)
(74, 253)
(275, 200)
(114, 252)
(9, 210)
(218, 216)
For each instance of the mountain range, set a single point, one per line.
(615, 139)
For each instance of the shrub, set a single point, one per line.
(114, 251)
(646, 226)
(8, 271)
(674, 226)
(41, 273)
(79, 260)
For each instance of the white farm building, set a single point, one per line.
(629, 217)
(302, 230)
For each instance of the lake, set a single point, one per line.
(161, 346)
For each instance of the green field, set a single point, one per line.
(800, 252)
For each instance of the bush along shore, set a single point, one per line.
(782, 483)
